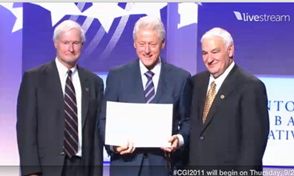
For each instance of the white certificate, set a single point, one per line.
(146, 125)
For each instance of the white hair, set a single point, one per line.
(68, 25)
(220, 32)
(150, 22)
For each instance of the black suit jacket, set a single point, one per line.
(40, 121)
(235, 133)
(124, 84)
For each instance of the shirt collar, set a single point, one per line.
(219, 80)
(62, 70)
(155, 69)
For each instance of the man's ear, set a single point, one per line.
(231, 49)
(163, 44)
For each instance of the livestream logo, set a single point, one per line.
(247, 17)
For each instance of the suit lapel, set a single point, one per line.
(85, 89)
(136, 83)
(51, 84)
(52, 81)
(223, 93)
(162, 83)
(202, 94)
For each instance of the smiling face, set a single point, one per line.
(148, 45)
(216, 56)
(68, 47)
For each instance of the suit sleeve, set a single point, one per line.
(27, 126)
(98, 142)
(184, 110)
(255, 124)
(111, 94)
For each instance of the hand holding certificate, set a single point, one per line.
(145, 125)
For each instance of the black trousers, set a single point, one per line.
(73, 166)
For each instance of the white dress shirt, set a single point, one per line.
(62, 71)
(219, 81)
(156, 70)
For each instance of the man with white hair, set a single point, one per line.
(57, 109)
(229, 116)
(149, 79)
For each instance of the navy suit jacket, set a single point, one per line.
(236, 130)
(124, 84)
(40, 121)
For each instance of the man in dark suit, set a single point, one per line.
(171, 85)
(45, 105)
(232, 133)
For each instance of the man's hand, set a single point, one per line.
(125, 149)
(174, 144)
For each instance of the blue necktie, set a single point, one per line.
(71, 139)
(149, 91)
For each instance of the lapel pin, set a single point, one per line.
(87, 89)
(222, 96)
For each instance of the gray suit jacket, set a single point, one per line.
(40, 121)
(235, 134)
(124, 84)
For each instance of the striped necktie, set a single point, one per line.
(71, 139)
(149, 91)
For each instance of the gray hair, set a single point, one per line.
(150, 22)
(68, 25)
(220, 32)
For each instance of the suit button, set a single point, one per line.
(201, 138)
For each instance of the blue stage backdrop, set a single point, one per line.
(109, 36)
(262, 32)
(263, 37)
(108, 26)
(27, 28)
